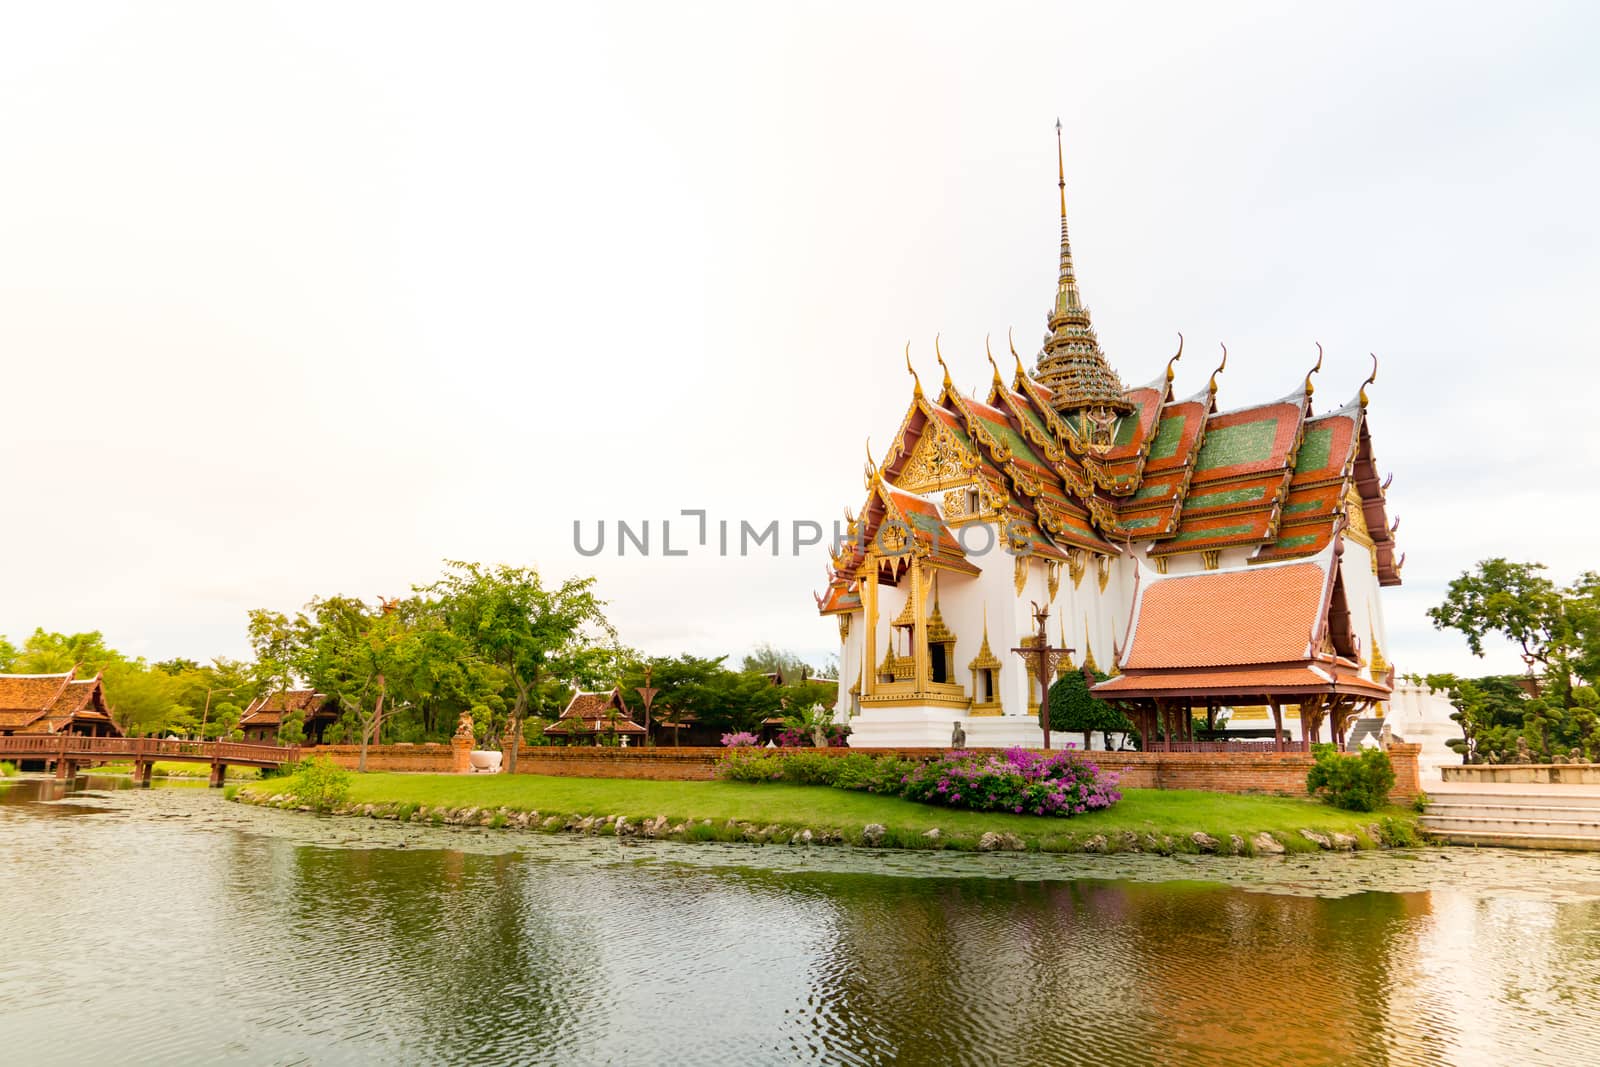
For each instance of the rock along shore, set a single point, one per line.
(630, 829)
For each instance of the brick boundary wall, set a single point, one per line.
(1217, 772)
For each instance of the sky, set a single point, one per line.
(304, 299)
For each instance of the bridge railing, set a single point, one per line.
(76, 746)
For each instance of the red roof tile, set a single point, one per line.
(1227, 618)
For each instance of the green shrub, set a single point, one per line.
(321, 783)
(7, 770)
(750, 765)
(229, 792)
(1399, 833)
(1354, 782)
(856, 771)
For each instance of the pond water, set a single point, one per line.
(168, 925)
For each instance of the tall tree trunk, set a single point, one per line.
(513, 736)
(368, 734)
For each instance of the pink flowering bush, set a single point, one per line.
(1017, 781)
(742, 739)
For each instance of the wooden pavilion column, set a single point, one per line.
(1277, 724)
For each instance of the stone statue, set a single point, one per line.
(465, 726)
(958, 736)
(1523, 755)
(1576, 755)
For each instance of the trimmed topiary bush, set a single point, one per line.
(1073, 709)
(1352, 781)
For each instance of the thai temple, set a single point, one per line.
(1201, 557)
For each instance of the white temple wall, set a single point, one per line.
(1361, 594)
(849, 664)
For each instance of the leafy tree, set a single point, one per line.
(53, 653)
(1556, 629)
(279, 643)
(765, 658)
(8, 656)
(224, 720)
(719, 699)
(143, 701)
(531, 632)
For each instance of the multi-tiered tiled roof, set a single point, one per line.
(54, 703)
(1075, 462)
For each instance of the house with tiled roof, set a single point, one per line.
(1203, 556)
(263, 716)
(55, 704)
(590, 717)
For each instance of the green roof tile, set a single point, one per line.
(1246, 442)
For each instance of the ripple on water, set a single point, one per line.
(208, 930)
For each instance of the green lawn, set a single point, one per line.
(1172, 814)
(177, 770)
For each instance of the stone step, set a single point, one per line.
(1536, 812)
(1515, 823)
(1589, 800)
(1521, 840)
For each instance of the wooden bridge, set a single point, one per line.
(70, 753)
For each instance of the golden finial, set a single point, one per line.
(1010, 341)
(1212, 387)
(1394, 527)
(1061, 170)
(872, 468)
(948, 384)
(998, 380)
(1309, 387)
(1370, 378)
(1176, 356)
(917, 390)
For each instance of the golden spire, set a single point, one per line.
(998, 380)
(1071, 364)
(1309, 387)
(1370, 378)
(949, 386)
(1211, 388)
(1061, 183)
(917, 388)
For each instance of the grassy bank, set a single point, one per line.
(177, 770)
(1145, 820)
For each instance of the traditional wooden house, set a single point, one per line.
(590, 718)
(55, 704)
(265, 714)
